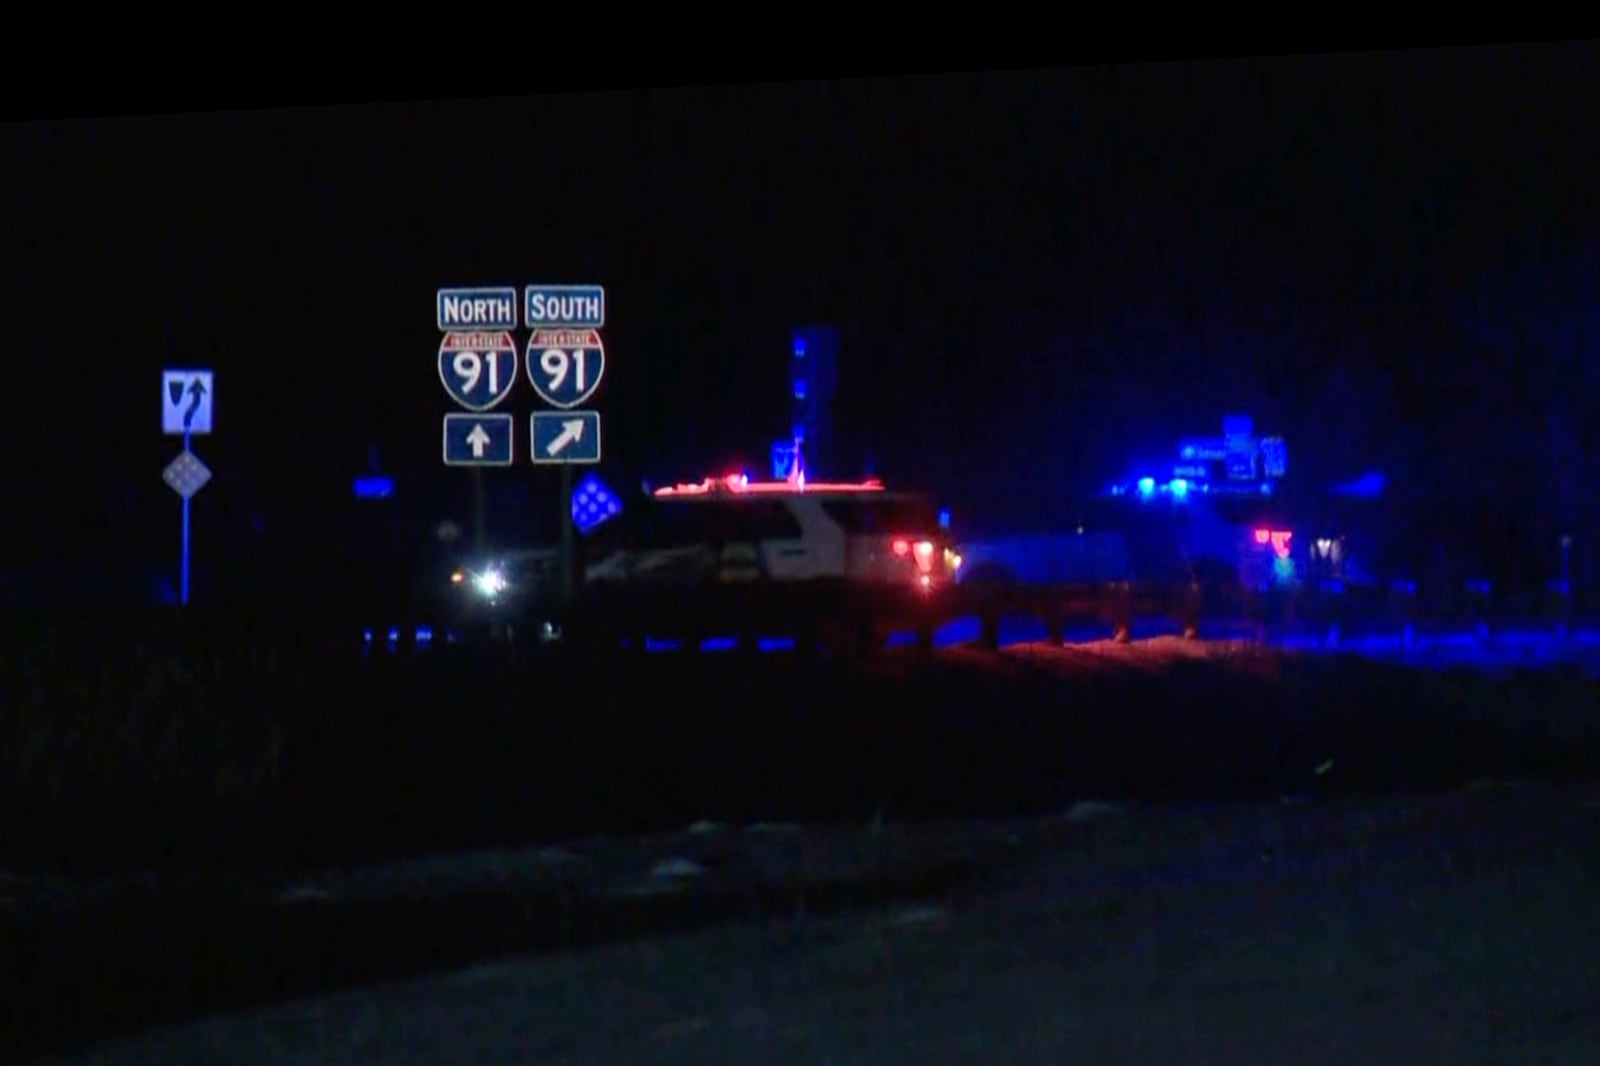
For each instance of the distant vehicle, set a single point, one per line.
(838, 561)
(855, 552)
(735, 530)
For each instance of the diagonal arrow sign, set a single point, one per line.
(571, 433)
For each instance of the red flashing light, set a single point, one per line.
(924, 553)
(741, 485)
(901, 547)
(1278, 538)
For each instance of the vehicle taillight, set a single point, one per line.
(924, 553)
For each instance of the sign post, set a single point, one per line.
(566, 361)
(186, 407)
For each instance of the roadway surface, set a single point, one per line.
(1453, 928)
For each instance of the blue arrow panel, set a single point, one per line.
(565, 437)
(478, 440)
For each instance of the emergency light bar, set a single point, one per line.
(738, 484)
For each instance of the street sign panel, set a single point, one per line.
(1238, 426)
(566, 365)
(186, 475)
(1274, 457)
(477, 309)
(1202, 449)
(1241, 466)
(478, 440)
(564, 306)
(373, 487)
(565, 437)
(186, 401)
(478, 368)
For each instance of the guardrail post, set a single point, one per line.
(1055, 623)
(868, 639)
(1121, 612)
(989, 629)
(1478, 595)
(1190, 610)
(1558, 608)
(1403, 608)
(747, 637)
(1260, 607)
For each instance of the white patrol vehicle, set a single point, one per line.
(737, 530)
(818, 555)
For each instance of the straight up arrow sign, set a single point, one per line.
(478, 440)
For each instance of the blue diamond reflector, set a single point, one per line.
(593, 503)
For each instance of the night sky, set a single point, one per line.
(1036, 276)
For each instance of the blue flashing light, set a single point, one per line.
(1180, 488)
(1283, 568)
(944, 519)
(1369, 486)
(1147, 486)
(799, 347)
(783, 452)
(374, 488)
(1266, 488)
(799, 388)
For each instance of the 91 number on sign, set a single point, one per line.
(557, 364)
(565, 366)
(469, 368)
(478, 369)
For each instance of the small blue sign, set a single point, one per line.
(1203, 449)
(565, 437)
(477, 440)
(564, 306)
(1241, 466)
(186, 402)
(566, 365)
(1274, 457)
(593, 503)
(491, 309)
(478, 368)
(374, 487)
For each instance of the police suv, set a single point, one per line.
(815, 558)
(686, 555)
(737, 530)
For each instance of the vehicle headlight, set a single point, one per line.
(490, 583)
